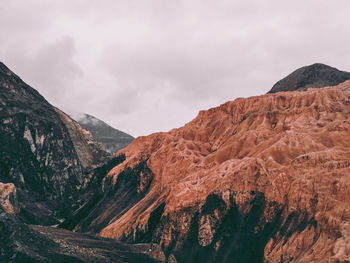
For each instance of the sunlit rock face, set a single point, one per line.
(265, 178)
(38, 153)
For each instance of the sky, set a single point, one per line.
(152, 65)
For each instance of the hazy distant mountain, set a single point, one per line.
(111, 138)
(317, 76)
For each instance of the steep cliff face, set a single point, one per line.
(111, 138)
(38, 153)
(259, 179)
(316, 76)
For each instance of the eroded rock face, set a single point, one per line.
(39, 153)
(259, 179)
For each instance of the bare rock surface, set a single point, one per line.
(259, 179)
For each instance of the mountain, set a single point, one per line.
(43, 152)
(111, 138)
(49, 165)
(316, 76)
(260, 179)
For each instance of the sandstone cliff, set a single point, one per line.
(259, 179)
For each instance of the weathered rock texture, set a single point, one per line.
(315, 76)
(24, 243)
(8, 198)
(259, 179)
(111, 138)
(39, 154)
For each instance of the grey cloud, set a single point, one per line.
(51, 69)
(146, 66)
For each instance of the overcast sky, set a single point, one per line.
(147, 66)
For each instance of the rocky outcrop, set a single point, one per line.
(111, 138)
(315, 76)
(43, 156)
(25, 243)
(259, 179)
(8, 198)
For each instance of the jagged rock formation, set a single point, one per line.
(111, 138)
(316, 76)
(24, 243)
(43, 156)
(259, 179)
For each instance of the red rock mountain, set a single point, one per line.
(261, 179)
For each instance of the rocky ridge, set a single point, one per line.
(259, 179)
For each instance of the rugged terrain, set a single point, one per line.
(44, 153)
(49, 165)
(111, 138)
(262, 179)
(265, 178)
(41, 244)
(315, 76)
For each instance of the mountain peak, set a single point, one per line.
(317, 75)
(112, 139)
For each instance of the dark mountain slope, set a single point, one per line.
(317, 76)
(37, 152)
